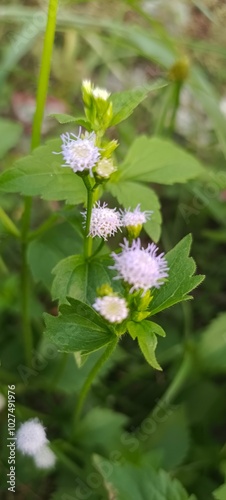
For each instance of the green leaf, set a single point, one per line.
(125, 102)
(77, 328)
(130, 194)
(10, 133)
(220, 493)
(158, 160)
(131, 482)
(101, 429)
(79, 279)
(169, 435)
(145, 333)
(41, 174)
(212, 346)
(47, 250)
(64, 118)
(180, 280)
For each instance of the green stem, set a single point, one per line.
(87, 385)
(35, 141)
(177, 91)
(3, 267)
(67, 462)
(166, 103)
(178, 381)
(44, 73)
(100, 246)
(25, 284)
(8, 224)
(90, 196)
(50, 222)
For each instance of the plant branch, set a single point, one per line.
(90, 196)
(87, 385)
(8, 224)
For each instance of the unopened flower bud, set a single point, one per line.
(105, 168)
(180, 70)
(104, 289)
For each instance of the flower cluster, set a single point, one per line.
(31, 440)
(105, 222)
(141, 269)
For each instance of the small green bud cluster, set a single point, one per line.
(98, 108)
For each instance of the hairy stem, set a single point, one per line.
(90, 199)
(35, 141)
(87, 385)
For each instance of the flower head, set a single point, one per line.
(45, 458)
(80, 153)
(31, 436)
(105, 168)
(135, 217)
(112, 308)
(141, 267)
(104, 222)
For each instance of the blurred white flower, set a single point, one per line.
(112, 308)
(141, 267)
(31, 436)
(104, 222)
(2, 402)
(80, 154)
(45, 458)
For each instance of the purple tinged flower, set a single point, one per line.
(140, 267)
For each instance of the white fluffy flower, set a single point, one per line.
(141, 267)
(31, 436)
(135, 217)
(2, 402)
(45, 458)
(112, 308)
(80, 153)
(104, 222)
(105, 168)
